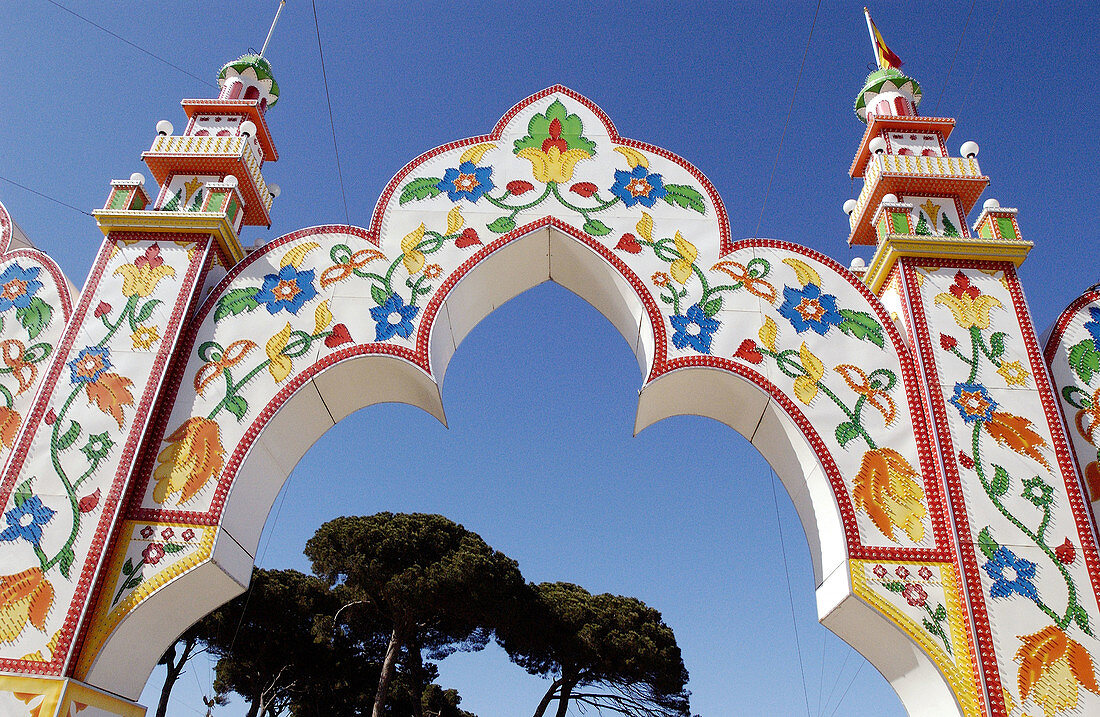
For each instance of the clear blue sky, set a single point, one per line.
(541, 396)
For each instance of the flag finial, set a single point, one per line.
(883, 54)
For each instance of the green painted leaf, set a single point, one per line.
(861, 325)
(235, 302)
(22, 492)
(128, 567)
(173, 548)
(1084, 360)
(713, 306)
(378, 294)
(846, 433)
(421, 188)
(929, 625)
(1000, 481)
(685, 196)
(594, 227)
(147, 310)
(940, 613)
(572, 128)
(502, 225)
(1081, 618)
(35, 316)
(986, 543)
(894, 586)
(237, 406)
(66, 561)
(68, 437)
(997, 344)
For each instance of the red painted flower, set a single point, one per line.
(88, 503)
(902, 572)
(517, 187)
(963, 288)
(1066, 552)
(966, 461)
(948, 342)
(147, 532)
(924, 572)
(748, 351)
(152, 553)
(880, 572)
(188, 534)
(585, 189)
(103, 308)
(914, 595)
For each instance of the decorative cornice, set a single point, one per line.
(896, 246)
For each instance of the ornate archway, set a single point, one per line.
(208, 375)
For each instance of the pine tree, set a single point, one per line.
(949, 229)
(196, 203)
(922, 226)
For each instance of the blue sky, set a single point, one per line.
(539, 457)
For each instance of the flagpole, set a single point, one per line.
(871, 34)
(283, 3)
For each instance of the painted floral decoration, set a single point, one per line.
(288, 290)
(888, 489)
(695, 330)
(1011, 574)
(809, 308)
(26, 520)
(638, 186)
(393, 317)
(18, 286)
(468, 181)
(141, 277)
(25, 598)
(1053, 669)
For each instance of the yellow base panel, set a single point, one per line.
(216, 223)
(22, 696)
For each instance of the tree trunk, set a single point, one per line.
(416, 671)
(253, 707)
(389, 666)
(172, 674)
(563, 698)
(547, 699)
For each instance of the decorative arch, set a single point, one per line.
(773, 339)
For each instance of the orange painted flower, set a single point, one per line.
(968, 304)
(9, 426)
(888, 490)
(1053, 668)
(25, 597)
(193, 456)
(141, 277)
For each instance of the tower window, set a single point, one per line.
(252, 93)
(235, 92)
(901, 105)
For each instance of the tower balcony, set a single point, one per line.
(236, 155)
(903, 175)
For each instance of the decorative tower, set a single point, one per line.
(1018, 514)
(72, 462)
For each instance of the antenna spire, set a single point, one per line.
(268, 39)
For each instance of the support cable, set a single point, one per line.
(787, 121)
(985, 45)
(45, 196)
(790, 596)
(935, 112)
(332, 124)
(115, 35)
(850, 683)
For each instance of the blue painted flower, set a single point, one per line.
(1017, 579)
(26, 520)
(393, 317)
(638, 186)
(695, 330)
(289, 289)
(89, 364)
(468, 181)
(1093, 326)
(973, 402)
(808, 308)
(18, 286)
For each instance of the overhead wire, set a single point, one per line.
(845, 693)
(787, 121)
(45, 196)
(985, 45)
(332, 123)
(790, 594)
(134, 45)
(947, 80)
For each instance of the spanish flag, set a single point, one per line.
(885, 56)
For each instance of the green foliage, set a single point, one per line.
(236, 301)
(861, 325)
(949, 229)
(173, 203)
(617, 645)
(685, 196)
(421, 188)
(922, 226)
(1084, 359)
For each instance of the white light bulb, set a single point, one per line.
(164, 127)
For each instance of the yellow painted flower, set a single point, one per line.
(193, 456)
(145, 337)
(968, 304)
(552, 164)
(888, 490)
(1013, 373)
(681, 268)
(141, 277)
(1053, 668)
(25, 597)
